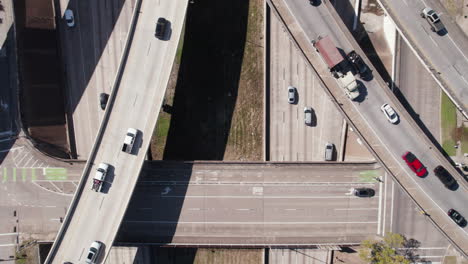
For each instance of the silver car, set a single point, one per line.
(292, 92)
(329, 148)
(308, 116)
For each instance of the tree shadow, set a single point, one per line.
(208, 80)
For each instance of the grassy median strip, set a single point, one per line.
(449, 125)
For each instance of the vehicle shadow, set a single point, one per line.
(107, 184)
(156, 205)
(362, 92)
(208, 79)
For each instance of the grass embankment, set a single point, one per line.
(449, 125)
(245, 140)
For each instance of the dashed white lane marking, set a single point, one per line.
(466, 59)
(355, 209)
(9, 234)
(8, 245)
(253, 223)
(257, 197)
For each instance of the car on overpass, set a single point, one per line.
(445, 177)
(415, 164)
(457, 217)
(433, 19)
(389, 113)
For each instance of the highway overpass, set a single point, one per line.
(135, 102)
(445, 55)
(254, 204)
(386, 141)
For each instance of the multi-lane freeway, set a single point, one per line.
(253, 204)
(393, 139)
(97, 216)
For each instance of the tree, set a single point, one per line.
(385, 251)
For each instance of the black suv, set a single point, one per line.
(358, 64)
(457, 217)
(444, 176)
(161, 28)
(364, 192)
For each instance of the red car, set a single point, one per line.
(414, 164)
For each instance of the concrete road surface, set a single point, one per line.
(259, 204)
(445, 54)
(290, 138)
(97, 216)
(91, 52)
(420, 90)
(395, 139)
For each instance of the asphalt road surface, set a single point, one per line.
(97, 216)
(447, 52)
(397, 139)
(258, 204)
(91, 52)
(290, 138)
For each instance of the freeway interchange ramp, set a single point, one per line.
(135, 102)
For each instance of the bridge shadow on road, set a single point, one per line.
(155, 209)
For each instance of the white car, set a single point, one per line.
(389, 113)
(93, 252)
(69, 18)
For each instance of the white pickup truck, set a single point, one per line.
(100, 177)
(129, 140)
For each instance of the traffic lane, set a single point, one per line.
(255, 233)
(442, 47)
(146, 56)
(275, 191)
(448, 57)
(419, 89)
(369, 110)
(75, 60)
(306, 205)
(404, 140)
(266, 174)
(291, 139)
(407, 219)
